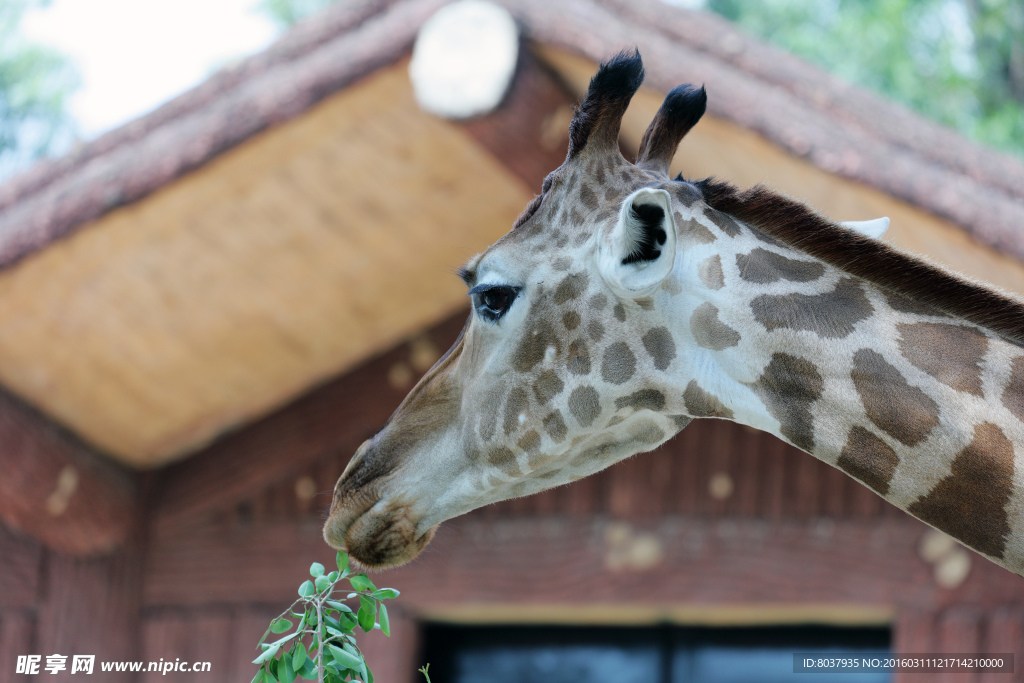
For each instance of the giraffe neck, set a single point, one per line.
(923, 406)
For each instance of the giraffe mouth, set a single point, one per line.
(377, 538)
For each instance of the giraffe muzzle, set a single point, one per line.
(375, 531)
(380, 535)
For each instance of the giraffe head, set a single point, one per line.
(562, 368)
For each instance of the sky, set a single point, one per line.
(135, 54)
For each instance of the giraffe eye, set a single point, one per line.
(493, 301)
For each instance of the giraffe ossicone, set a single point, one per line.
(623, 304)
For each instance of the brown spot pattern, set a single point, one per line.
(970, 504)
(788, 387)
(571, 320)
(570, 288)
(554, 425)
(692, 231)
(950, 353)
(618, 363)
(685, 193)
(530, 441)
(724, 222)
(659, 344)
(489, 416)
(700, 403)
(762, 267)
(646, 432)
(547, 386)
(831, 315)
(902, 411)
(587, 197)
(585, 405)
(646, 303)
(514, 407)
(598, 302)
(869, 459)
(595, 330)
(904, 304)
(579, 358)
(534, 344)
(505, 460)
(710, 272)
(709, 332)
(643, 399)
(1013, 394)
(681, 421)
(620, 313)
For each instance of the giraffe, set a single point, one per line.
(623, 304)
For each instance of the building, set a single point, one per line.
(208, 309)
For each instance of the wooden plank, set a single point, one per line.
(91, 606)
(562, 560)
(166, 637)
(330, 421)
(58, 489)
(684, 478)
(281, 263)
(17, 632)
(20, 570)
(958, 632)
(247, 625)
(190, 637)
(1004, 633)
(394, 659)
(913, 633)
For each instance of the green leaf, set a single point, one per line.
(267, 654)
(316, 569)
(306, 589)
(269, 677)
(280, 642)
(345, 659)
(308, 670)
(367, 613)
(385, 625)
(299, 657)
(322, 583)
(361, 582)
(340, 606)
(280, 625)
(385, 593)
(333, 624)
(333, 576)
(285, 672)
(342, 560)
(258, 677)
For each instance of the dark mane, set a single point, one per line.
(800, 227)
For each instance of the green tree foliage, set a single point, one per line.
(320, 644)
(960, 62)
(35, 83)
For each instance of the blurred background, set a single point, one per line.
(228, 233)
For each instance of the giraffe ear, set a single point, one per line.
(640, 251)
(874, 228)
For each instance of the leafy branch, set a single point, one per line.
(321, 646)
